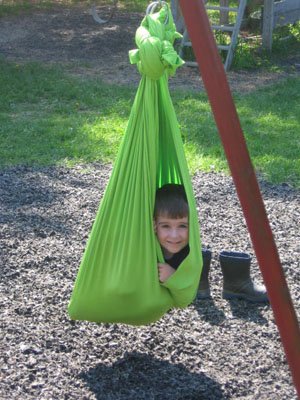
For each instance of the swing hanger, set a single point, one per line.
(153, 6)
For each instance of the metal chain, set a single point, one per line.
(96, 16)
(152, 7)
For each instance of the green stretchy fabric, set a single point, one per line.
(118, 277)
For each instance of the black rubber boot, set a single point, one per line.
(237, 283)
(204, 290)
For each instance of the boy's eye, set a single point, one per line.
(183, 225)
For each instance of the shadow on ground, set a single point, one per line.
(141, 376)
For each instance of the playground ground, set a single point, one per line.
(214, 349)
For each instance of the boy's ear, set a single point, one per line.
(154, 225)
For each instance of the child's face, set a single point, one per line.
(172, 234)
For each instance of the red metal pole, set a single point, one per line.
(215, 81)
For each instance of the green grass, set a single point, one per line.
(16, 7)
(270, 118)
(48, 117)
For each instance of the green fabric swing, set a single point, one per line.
(118, 277)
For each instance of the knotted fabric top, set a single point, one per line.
(155, 55)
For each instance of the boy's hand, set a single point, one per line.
(164, 271)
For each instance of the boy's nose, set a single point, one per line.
(174, 233)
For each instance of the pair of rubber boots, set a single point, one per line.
(237, 283)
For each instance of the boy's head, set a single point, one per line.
(171, 219)
(171, 202)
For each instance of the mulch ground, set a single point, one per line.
(214, 349)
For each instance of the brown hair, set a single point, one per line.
(171, 201)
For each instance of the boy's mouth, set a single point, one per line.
(174, 243)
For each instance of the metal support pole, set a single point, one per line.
(215, 81)
(267, 28)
